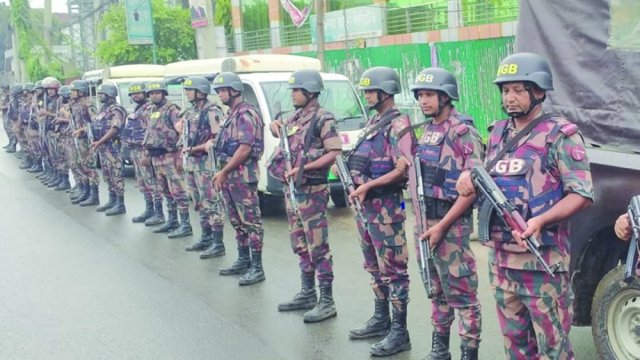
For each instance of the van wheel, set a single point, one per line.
(616, 316)
(339, 199)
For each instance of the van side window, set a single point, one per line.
(250, 96)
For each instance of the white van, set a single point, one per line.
(175, 73)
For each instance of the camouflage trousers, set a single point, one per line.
(111, 165)
(21, 135)
(309, 231)
(87, 161)
(8, 126)
(58, 153)
(34, 142)
(534, 312)
(170, 179)
(145, 174)
(72, 157)
(243, 208)
(386, 255)
(208, 202)
(455, 283)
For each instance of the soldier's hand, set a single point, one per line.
(291, 174)
(623, 227)
(534, 228)
(464, 185)
(360, 193)
(178, 126)
(94, 145)
(219, 179)
(77, 132)
(274, 127)
(434, 235)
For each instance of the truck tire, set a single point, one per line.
(616, 317)
(338, 198)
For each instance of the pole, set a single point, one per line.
(47, 30)
(320, 31)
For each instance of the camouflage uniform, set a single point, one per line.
(382, 238)
(28, 116)
(534, 309)
(18, 127)
(83, 112)
(6, 121)
(308, 226)
(69, 143)
(111, 116)
(243, 125)
(203, 123)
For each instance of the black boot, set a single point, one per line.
(36, 167)
(378, 325)
(58, 178)
(439, 347)
(83, 195)
(216, 248)
(11, 148)
(171, 224)
(64, 184)
(158, 215)
(93, 199)
(26, 163)
(241, 265)
(397, 340)
(325, 308)
(109, 204)
(185, 227)
(255, 273)
(307, 298)
(205, 240)
(52, 179)
(148, 211)
(118, 208)
(468, 353)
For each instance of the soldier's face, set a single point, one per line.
(515, 97)
(156, 96)
(191, 94)
(137, 97)
(428, 101)
(224, 95)
(74, 94)
(103, 98)
(297, 98)
(52, 92)
(371, 97)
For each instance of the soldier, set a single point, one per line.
(448, 145)
(33, 135)
(28, 111)
(311, 133)
(624, 232)
(48, 111)
(57, 154)
(200, 124)
(5, 101)
(132, 136)
(106, 142)
(64, 122)
(377, 165)
(238, 148)
(161, 144)
(14, 117)
(539, 161)
(84, 112)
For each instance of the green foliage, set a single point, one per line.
(175, 39)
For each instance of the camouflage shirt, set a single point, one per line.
(199, 132)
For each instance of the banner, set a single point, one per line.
(198, 9)
(139, 21)
(297, 17)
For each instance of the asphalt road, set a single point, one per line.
(75, 284)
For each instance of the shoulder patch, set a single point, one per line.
(569, 129)
(460, 129)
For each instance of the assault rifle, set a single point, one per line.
(507, 212)
(634, 220)
(426, 257)
(349, 187)
(288, 161)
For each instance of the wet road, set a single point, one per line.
(75, 284)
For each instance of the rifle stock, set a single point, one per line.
(426, 256)
(349, 187)
(288, 161)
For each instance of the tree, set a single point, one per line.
(175, 39)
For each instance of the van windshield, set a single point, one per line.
(125, 100)
(338, 97)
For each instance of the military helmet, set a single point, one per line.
(228, 80)
(307, 79)
(38, 85)
(157, 86)
(81, 86)
(436, 79)
(65, 91)
(50, 83)
(108, 89)
(525, 67)
(16, 89)
(137, 87)
(381, 78)
(199, 83)
(29, 87)
(5, 87)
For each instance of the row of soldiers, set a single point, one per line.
(537, 160)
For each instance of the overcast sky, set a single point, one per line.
(58, 6)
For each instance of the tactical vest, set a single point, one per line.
(136, 124)
(227, 145)
(53, 105)
(524, 176)
(296, 135)
(102, 125)
(199, 128)
(80, 112)
(441, 159)
(161, 134)
(28, 115)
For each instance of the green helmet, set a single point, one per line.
(307, 79)
(108, 89)
(38, 85)
(29, 87)
(228, 80)
(81, 86)
(199, 83)
(381, 78)
(527, 67)
(16, 89)
(157, 86)
(137, 87)
(65, 91)
(436, 79)
(50, 83)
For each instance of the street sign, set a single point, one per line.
(139, 21)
